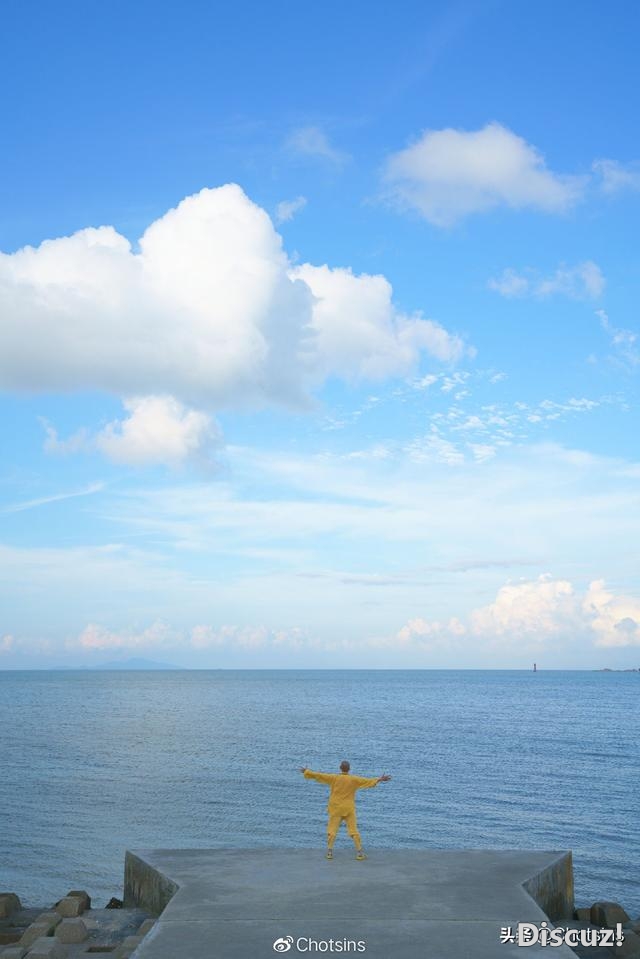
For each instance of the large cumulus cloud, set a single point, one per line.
(208, 310)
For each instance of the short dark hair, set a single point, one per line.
(345, 765)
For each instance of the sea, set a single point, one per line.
(93, 763)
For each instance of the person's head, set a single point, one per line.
(345, 766)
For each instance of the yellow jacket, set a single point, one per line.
(343, 789)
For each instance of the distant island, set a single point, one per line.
(608, 669)
(134, 664)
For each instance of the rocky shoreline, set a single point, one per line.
(70, 928)
(605, 915)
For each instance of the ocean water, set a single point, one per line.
(93, 763)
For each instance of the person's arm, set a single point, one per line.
(366, 783)
(326, 778)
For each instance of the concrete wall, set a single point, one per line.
(552, 888)
(145, 886)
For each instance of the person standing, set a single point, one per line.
(342, 806)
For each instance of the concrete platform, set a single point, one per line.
(404, 904)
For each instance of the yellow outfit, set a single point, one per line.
(342, 805)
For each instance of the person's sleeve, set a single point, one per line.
(364, 783)
(326, 778)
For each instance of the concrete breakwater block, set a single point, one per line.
(125, 949)
(9, 904)
(47, 948)
(36, 931)
(630, 946)
(146, 927)
(14, 952)
(82, 895)
(51, 918)
(71, 931)
(607, 914)
(70, 907)
(9, 938)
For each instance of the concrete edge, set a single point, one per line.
(552, 888)
(145, 886)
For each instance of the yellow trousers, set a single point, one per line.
(333, 825)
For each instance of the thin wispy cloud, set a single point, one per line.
(624, 342)
(313, 142)
(286, 210)
(617, 177)
(581, 282)
(54, 498)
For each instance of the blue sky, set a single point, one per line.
(319, 342)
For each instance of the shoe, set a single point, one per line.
(329, 853)
(360, 854)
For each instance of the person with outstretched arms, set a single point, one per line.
(342, 805)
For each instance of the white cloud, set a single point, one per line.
(449, 174)
(539, 609)
(247, 637)
(161, 636)
(450, 383)
(434, 448)
(535, 614)
(626, 343)
(358, 331)
(73, 444)
(158, 429)
(482, 451)
(430, 635)
(209, 311)
(614, 619)
(7, 643)
(155, 430)
(583, 281)
(96, 637)
(617, 176)
(311, 141)
(510, 283)
(287, 209)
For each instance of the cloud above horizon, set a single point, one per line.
(447, 175)
(529, 617)
(263, 547)
(536, 614)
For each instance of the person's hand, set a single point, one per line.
(303, 769)
(384, 779)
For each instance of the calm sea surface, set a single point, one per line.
(94, 763)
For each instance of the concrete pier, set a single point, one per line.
(403, 904)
